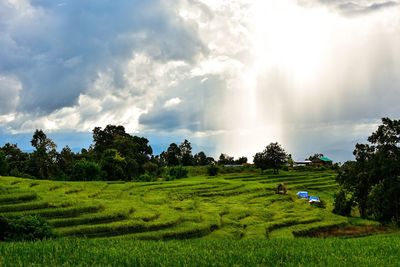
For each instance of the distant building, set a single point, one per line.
(322, 161)
(302, 163)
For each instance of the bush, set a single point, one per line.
(28, 227)
(177, 173)
(342, 205)
(86, 171)
(321, 204)
(212, 170)
(146, 178)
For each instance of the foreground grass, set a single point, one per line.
(369, 251)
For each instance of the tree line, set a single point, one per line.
(113, 155)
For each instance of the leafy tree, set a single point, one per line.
(241, 160)
(66, 160)
(84, 170)
(273, 156)
(112, 165)
(151, 169)
(104, 139)
(44, 157)
(173, 155)
(225, 159)
(315, 156)
(186, 153)
(343, 204)
(133, 149)
(373, 179)
(16, 159)
(200, 159)
(3, 163)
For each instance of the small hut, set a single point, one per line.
(281, 189)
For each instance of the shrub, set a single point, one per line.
(24, 228)
(342, 205)
(151, 168)
(145, 178)
(281, 189)
(177, 173)
(86, 171)
(321, 204)
(212, 170)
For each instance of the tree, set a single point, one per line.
(104, 139)
(3, 163)
(17, 161)
(113, 165)
(173, 155)
(273, 156)
(86, 171)
(65, 161)
(225, 159)
(373, 179)
(315, 156)
(200, 159)
(186, 153)
(44, 157)
(133, 149)
(241, 160)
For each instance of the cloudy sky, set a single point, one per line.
(229, 75)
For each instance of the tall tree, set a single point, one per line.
(225, 159)
(17, 161)
(273, 156)
(200, 159)
(44, 157)
(373, 179)
(3, 163)
(173, 155)
(66, 160)
(135, 151)
(186, 153)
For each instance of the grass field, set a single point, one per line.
(235, 218)
(231, 206)
(367, 251)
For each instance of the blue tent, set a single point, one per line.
(302, 194)
(313, 199)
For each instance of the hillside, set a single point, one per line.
(231, 206)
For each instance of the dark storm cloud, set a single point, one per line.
(56, 49)
(352, 8)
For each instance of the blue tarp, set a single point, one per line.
(302, 194)
(313, 199)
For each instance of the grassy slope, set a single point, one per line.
(234, 206)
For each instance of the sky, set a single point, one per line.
(230, 76)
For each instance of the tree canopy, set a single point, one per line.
(273, 156)
(372, 181)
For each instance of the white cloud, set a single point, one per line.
(172, 102)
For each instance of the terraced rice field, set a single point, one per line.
(235, 206)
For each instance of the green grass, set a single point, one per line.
(227, 220)
(369, 251)
(228, 206)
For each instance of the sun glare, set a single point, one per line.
(289, 38)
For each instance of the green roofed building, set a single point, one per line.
(322, 161)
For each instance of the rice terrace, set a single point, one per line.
(199, 133)
(228, 219)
